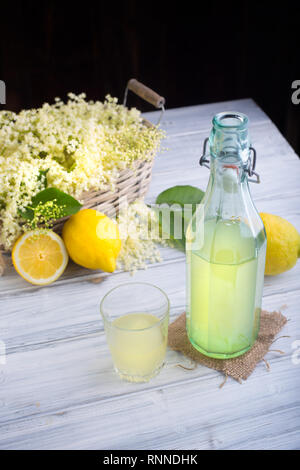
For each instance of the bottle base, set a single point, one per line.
(219, 355)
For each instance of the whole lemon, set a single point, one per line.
(283, 244)
(92, 240)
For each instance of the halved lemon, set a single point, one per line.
(40, 257)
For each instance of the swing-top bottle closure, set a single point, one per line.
(229, 136)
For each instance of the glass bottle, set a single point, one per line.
(226, 247)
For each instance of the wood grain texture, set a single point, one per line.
(146, 93)
(58, 389)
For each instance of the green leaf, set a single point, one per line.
(171, 223)
(176, 198)
(68, 204)
(26, 213)
(180, 195)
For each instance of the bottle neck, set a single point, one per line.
(228, 189)
(227, 196)
(229, 137)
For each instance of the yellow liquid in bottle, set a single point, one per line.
(225, 289)
(138, 345)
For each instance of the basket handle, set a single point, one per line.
(146, 94)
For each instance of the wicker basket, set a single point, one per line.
(132, 183)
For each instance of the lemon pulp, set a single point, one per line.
(40, 258)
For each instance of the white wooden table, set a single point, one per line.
(58, 389)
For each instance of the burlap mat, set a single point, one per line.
(239, 367)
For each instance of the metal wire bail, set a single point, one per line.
(251, 164)
(160, 106)
(203, 160)
(251, 167)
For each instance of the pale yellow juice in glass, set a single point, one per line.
(138, 342)
(225, 289)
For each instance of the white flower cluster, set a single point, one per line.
(78, 146)
(140, 233)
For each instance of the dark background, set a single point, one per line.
(190, 52)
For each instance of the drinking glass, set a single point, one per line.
(136, 317)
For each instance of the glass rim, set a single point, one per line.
(132, 284)
(241, 118)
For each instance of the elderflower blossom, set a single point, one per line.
(44, 214)
(140, 233)
(77, 146)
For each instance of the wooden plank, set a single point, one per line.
(11, 283)
(179, 121)
(56, 312)
(171, 416)
(63, 360)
